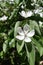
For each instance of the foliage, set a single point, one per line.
(13, 51)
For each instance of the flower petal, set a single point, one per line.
(26, 14)
(3, 18)
(20, 31)
(22, 13)
(31, 33)
(20, 37)
(27, 39)
(26, 28)
(29, 13)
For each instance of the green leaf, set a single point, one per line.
(20, 47)
(14, 13)
(10, 32)
(17, 1)
(15, 29)
(27, 52)
(5, 46)
(1, 54)
(41, 51)
(38, 46)
(32, 56)
(41, 40)
(35, 25)
(12, 43)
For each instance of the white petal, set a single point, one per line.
(29, 13)
(20, 37)
(22, 13)
(26, 14)
(3, 18)
(26, 28)
(27, 39)
(20, 31)
(31, 33)
(36, 11)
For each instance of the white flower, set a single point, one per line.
(3, 18)
(26, 14)
(37, 11)
(25, 34)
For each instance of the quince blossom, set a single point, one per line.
(26, 14)
(25, 34)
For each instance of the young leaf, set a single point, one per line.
(20, 47)
(5, 46)
(15, 29)
(27, 52)
(14, 13)
(32, 56)
(34, 25)
(17, 1)
(38, 46)
(12, 43)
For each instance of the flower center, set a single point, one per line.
(25, 35)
